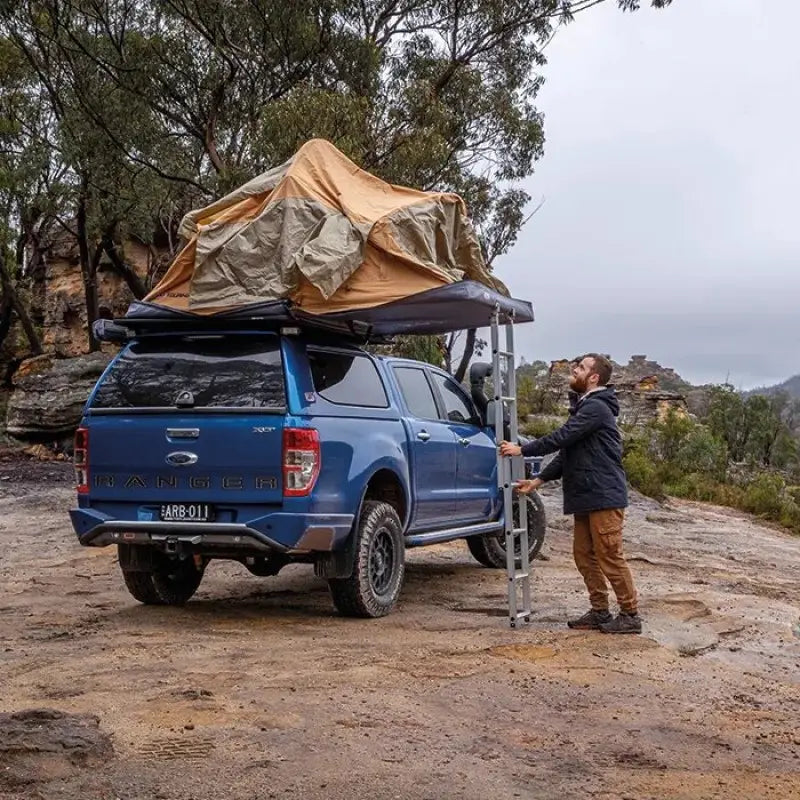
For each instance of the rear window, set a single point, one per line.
(347, 379)
(230, 372)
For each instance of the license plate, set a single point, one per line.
(186, 512)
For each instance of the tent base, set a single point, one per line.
(457, 306)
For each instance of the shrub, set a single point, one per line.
(694, 486)
(701, 451)
(790, 515)
(643, 473)
(539, 426)
(764, 495)
(669, 434)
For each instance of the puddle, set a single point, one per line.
(685, 624)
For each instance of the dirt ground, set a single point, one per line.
(257, 689)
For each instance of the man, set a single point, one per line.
(589, 460)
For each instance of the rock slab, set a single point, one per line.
(49, 394)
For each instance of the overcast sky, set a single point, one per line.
(670, 182)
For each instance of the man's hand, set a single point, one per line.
(508, 449)
(526, 487)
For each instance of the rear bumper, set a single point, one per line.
(273, 533)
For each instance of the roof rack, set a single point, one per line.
(125, 329)
(453, 307)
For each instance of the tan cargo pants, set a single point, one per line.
(597, 548)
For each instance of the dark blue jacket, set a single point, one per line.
(589, 457)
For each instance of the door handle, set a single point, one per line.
(465, 442)
(424, 435)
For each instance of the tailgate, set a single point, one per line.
(230, 459)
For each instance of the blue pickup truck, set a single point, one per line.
(273, 447)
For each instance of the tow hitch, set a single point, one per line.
(175, 545)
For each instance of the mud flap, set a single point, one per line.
(337, 563)
(134, 558)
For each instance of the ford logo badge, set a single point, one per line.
(181, 459)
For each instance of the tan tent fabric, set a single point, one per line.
(325, 234)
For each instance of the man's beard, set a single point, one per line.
(577, 385)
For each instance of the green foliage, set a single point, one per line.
(789, 515)
(669, 449)
(526, 389)
(534, 395)
(643, 473)
(420, 348)
(700, 451)
(755, 429)
(794, 493)
(768, 496)
(162, 103)
(763, 494)
(121, 116)
(683, 458)
(669, 434)
(699, 460)
(541, 426)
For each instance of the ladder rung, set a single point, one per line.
(519, 575)
(521, 615)
(508, 398)
(506, 353)
(516, 531)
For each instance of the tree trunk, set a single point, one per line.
(469, 349)
(88, 270)
(6, 307)
(11, 300)
(27, 325)
(135, 283)
(447, 349)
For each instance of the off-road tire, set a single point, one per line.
(379, 566)
(177, 581)
(489, 549)
(140, 585)
(171, 582)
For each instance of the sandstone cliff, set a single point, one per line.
(42, 397)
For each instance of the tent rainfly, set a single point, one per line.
(318, 237)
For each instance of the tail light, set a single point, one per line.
(81, 460)
(301, 461)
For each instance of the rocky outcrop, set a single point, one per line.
(641, 391)
(647, 391)
(45, 395)
(643, 401)
(641, 368)
(63, 305)
(49, 394)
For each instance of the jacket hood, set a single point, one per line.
(605, 395)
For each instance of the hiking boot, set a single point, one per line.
(591, 621)
(623, 623)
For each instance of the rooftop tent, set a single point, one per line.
(318, 238)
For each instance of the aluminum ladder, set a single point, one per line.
(510, 469)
